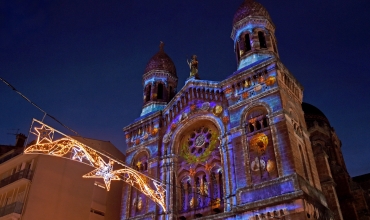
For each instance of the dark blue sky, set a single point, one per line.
(82, 61)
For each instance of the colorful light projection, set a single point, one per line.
(69, 148)
(200, 146)
(262, 162)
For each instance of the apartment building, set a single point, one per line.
(41, 187)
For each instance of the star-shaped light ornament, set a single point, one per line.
(44, 134)
(79, 154)
(161, 191)
(105, 171)
(130, 180)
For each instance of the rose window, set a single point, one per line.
(199, 141)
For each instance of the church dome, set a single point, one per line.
(250, 8)
(313, 113)
(161, 62)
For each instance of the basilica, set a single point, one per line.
(246, 147)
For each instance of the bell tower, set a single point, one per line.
(159, 81)
(235, 149)
(253, 34)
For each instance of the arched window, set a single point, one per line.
(197, 195)
(257, 120)
(216, 189)
(160, 91)
(247, 43)
(205, 191)
(148, 93)
(171, 92)
(258, 125)
(141, 162)
(138, 201)
(303, 162)
(262, 162)
(237, 51)
(198, 192)
(262, 39)
(183, 201)
(190, 196)
(265, 122)
(214, 186)
(220, 181)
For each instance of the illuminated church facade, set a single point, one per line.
(247, 147)
(235, 149)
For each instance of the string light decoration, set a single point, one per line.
(105, 171)
(66, 147)
(44, 134)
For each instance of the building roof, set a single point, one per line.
(105, 147)
(362, 178)
(162, 62)
(313, 113)
(250, 8)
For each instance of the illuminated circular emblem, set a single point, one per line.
(258, 143)
(205, 106)
(154, 131)
(257, 165)
(199, 141)
(257, 88)
(270, 80)
(245, 95)
(270, 166)
(217, 110)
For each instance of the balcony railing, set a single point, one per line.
(11, 208)
(11, 155)
(27, 174)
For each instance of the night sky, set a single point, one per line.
(82, 61)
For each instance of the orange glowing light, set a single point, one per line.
(44, 134)
(69, 148)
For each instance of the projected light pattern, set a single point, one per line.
(69, 148)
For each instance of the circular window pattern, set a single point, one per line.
(199, 145)
(199, 141)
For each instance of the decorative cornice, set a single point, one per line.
(192, 83)
(243, 74)
(260, 20)
(162, 73)
(143, 145)
(253, 99)
(141, 121)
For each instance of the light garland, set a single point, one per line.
(67, 147)
(44, 134)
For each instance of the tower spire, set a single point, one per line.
(161, 46)
(253, 34)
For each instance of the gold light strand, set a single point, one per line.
(67, 147)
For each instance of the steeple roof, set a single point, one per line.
(313, 113)
(162, 62)
(248, 9)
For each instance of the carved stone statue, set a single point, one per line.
(193, 65)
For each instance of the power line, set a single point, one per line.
(34, 104)
(52, 117)
(65, 126)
